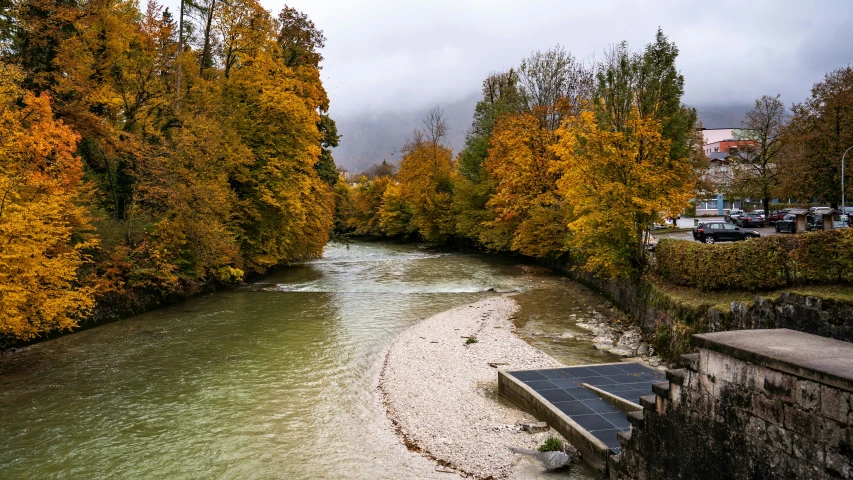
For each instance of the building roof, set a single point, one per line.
(718, 155)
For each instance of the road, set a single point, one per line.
(687, 222)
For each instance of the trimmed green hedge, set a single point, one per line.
(759, 264)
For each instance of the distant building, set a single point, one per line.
(713, 135)
(722, 139)
(345, 175)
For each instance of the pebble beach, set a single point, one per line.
(440, 389)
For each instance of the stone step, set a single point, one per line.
(661, 389)
(690, 361)
(676, 376)
(649, 402)
(636, 418)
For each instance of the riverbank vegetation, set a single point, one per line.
(150, 154)
(563, 159)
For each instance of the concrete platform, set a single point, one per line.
(807, 356)
(586, 404)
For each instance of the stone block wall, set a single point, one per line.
(650, 308)
(732, 414)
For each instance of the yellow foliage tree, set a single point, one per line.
(42, 230)
(529, 215)
(426, 185)
(617, 183)
(395, 215)
(367, 199)
(286, 209)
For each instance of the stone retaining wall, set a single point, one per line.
(762, 404)
(655, 312)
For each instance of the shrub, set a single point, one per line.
(759, 264)
(552, 444)
(470, 340)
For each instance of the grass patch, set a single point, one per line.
(470, 340)
(841, 293)
(722, 300)
(552, 444)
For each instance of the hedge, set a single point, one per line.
(759, 264)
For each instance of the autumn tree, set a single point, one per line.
(366, 201)
(821, 129)
(755, 164)
(426, 178)
(33, 34)
(395, 212)
(377, 170)
(529, 215)
(627, 161)
(554, 84)
(43, 232)
(617, 182)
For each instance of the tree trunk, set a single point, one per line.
(206, 51)
(178, 58)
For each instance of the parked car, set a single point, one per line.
(814, 222)
(713, 232)
(788, 224)
(836, 224)
(776, 216)
(754, 218)
(732, 215)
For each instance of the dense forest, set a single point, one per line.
(151, 154)
(563, 159)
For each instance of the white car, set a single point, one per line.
(733, 215)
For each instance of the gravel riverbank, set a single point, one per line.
(441, 392)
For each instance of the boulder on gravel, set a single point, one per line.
(549, 460)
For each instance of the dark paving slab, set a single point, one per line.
(562, 388)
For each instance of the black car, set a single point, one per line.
(713, 232)
(787, 224)
(754, 218)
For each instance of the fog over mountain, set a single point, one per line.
(371, 138)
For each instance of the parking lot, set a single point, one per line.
(687, 222)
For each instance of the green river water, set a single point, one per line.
(274, 379)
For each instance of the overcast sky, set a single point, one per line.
(398, 55)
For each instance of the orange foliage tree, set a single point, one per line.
(530, 216)
(42, 230)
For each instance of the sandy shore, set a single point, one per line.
(441, 394)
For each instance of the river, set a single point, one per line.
(274, 379)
